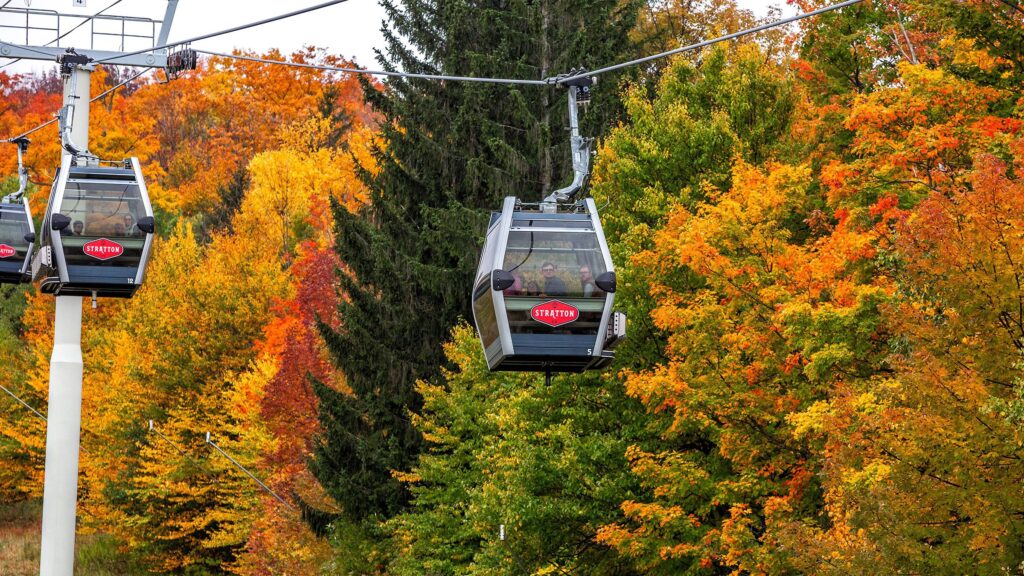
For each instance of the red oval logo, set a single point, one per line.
(6, 251)
(555, 313)
(103, 249)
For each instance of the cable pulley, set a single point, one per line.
(181, 60)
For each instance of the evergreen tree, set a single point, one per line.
(448, 152)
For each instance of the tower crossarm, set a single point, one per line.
(34, 34)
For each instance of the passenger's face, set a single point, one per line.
(548, 271)
(585, 273)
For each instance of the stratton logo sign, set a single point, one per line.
(6, 251)
(103, 249)
(555, 313)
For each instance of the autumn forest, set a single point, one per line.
(818, 233)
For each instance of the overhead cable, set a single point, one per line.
(39, 414)
(23, 403)
(173, 445)
(376, 72)
(227, 31)
(547, 81)
(707, 43)
(108, 91)
(250, 474)
(181, 451)
(553, 80)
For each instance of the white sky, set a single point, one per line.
(351, 29)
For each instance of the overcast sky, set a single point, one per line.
(351, 28)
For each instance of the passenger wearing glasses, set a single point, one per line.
(553, 285)
(587, 283)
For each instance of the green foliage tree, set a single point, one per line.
(548, 463)
(448, 151)
(997, 30)
(856, 49)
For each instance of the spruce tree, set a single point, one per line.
(448, 152)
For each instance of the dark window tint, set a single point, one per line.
(13, 228)
(103, 209)
(554, 264)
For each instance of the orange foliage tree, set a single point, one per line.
(840, 389)
(246, 159)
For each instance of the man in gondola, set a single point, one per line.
(129, 225)
(77, 228)
(587, 283)
(553, 285)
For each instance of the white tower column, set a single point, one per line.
(64, 411)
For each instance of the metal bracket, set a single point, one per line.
(583, 83)
(165, 26)
(42, 260)
(64, 116)
(71, 62)
(70, 59)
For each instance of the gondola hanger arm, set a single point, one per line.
(578, 93)
(22, 143)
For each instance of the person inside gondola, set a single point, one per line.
(129, 225)
(553, 285)
(532, 288)
(517, 286)
(587, 282)
(77, 228)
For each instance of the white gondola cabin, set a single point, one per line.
(97, 231)
(544, 290)
(17, 239)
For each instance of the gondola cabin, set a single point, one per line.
(544, 290)
(97, 231)
(17, 239)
